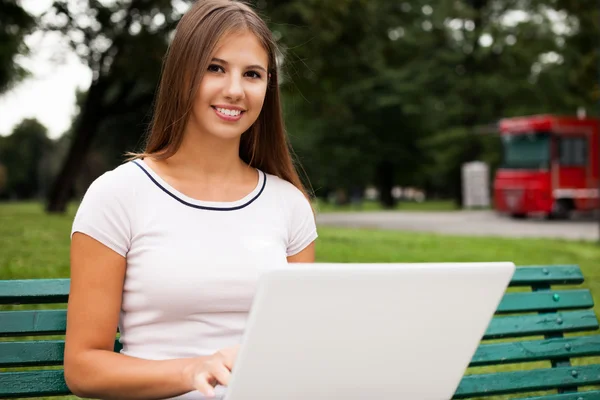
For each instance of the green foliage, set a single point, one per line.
(15, 24)
(407, 84)
(25, 157)
(375, 92)
(481, 61)
(123, 42)
(127, 38)
(340, 67)
(580, 55)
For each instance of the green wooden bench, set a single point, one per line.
(532, 325)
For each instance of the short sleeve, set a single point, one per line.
(103, 215)
(303, 228)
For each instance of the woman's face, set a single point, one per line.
(232, 91)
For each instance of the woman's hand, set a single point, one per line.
(204, 373)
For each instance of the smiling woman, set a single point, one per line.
(169, 246)
(234, 87)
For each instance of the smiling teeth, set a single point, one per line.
(232, 113)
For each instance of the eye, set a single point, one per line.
(215, 68)
(253, 75)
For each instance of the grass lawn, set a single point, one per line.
(430, 205)
(36, 245)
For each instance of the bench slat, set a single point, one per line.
(34, 291)
(550, 274)
(527, 381)
(44, 322)
(536, 350)
(32, 384)
(529, 325)
(543, 301)
(35, 322)
(29, 354)
(590, 395)
(41, 291)
(47, 383)
(35, 353)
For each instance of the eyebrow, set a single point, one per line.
(255, 66)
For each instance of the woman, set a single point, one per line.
(168, 246)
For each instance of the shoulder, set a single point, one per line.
(285, 189)
(107, 207)
(299, 215)
(115, 184)
(120, 175)
(118, 179)
(290, 199)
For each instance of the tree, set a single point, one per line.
(22, 153)
(580, 54)
(121, 86)
(374, 92)
(491, 60)
(123, 43)
(3, 179)
(394, 93)
(15, 24)
(342, 103)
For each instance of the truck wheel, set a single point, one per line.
(562, 209)
(518, 215)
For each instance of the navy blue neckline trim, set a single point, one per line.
(205, 207)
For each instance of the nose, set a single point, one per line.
(234, 89)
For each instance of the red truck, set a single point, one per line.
(550, 166)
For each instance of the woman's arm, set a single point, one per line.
(92, 368)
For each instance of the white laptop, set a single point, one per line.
(366, 331)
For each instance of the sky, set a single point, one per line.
(49, 94)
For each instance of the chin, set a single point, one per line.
(227, 134)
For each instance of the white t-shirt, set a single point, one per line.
(192, 266)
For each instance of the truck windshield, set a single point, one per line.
(526, 151)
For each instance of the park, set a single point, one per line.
(376, 96)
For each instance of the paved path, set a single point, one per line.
(471, 223)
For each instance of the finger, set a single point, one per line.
(202, 385)
(222, 374)
(229, 358)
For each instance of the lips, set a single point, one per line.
(231, 114)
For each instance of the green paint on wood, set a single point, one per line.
(38, 322)
(535, 350)
(546, 274)
(34, 291)
(544, 301)
(528, 325)
(32, 384)
(590, 395)
(25, 354)
(525, 381)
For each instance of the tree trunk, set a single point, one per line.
(83, 136)
(385, 176)
(471, 99)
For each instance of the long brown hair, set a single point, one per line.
(265, 144)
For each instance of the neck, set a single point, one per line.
(208, 157)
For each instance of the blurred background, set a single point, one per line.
(385, 101)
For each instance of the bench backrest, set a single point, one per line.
(543, 323)
(540, 310)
